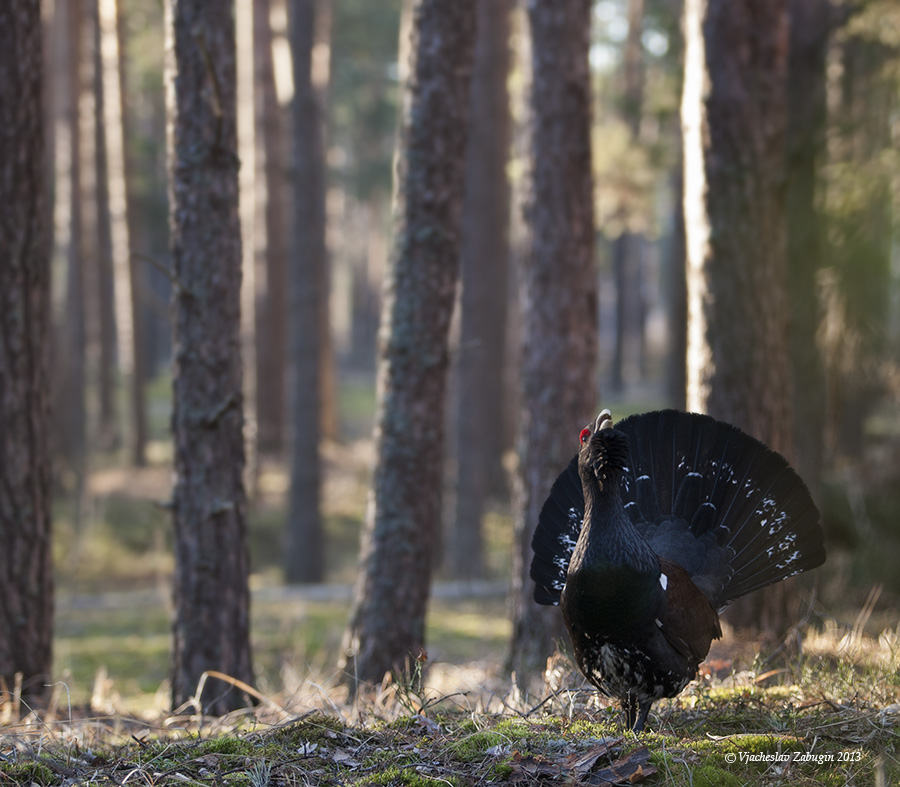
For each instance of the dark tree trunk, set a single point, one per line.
(484, 258)
(272, 221)
(559, 304)
(211, 629)
(735, 158)
(387, 628)
(676, 295)
(304, 557)
(26, 579)
(811, 22)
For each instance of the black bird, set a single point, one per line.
(653, 528)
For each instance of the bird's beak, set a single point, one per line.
(604, 421)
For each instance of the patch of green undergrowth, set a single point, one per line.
(739, 735)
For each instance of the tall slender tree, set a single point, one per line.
(70, 409)
(122, 218)
(272, 226)
(484, 261)
(304, 557)
(811, 24)
(26, 579)
(734, 115)
(109, 428)
(559, 298)
(627, 250)
(211, 628)
(387, 627)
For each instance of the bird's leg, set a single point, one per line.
(642, 716)
(630, 706)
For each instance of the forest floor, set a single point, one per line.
(822, 710)
(828, 717)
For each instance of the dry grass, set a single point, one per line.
(827, 716)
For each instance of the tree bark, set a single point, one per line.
(130, 334)
(483, 263)
(304, 556)
(811, 24)
(676, 296)
(109, 426)
(26, 578)
(211, 628)
(272, 226)
(628, 354)
(735, 168)
(559, 299)
(69, 352)
(387, 628)
(248, 184)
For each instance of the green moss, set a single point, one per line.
(228, 745)
(317, 729)
(28, 773)
(514, 729)
(594, 729)
(755, 744)
(475, 745)
(394, 776)
(712, 776)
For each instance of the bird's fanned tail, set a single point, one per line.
(556, 535)
(703, 493)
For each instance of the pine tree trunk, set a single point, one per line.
(559, 305)
(483, 263)
(69, 353)
(628, 354)
(304, 557)
(734, 138)
(127, 280)
(26, 579)
(272, 224)
(247, 184)
(811, 22)
(387, 628)
(108, 426)
(211, 629)
(676, 297)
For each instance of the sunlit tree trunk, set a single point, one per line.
(321, 79)
(131, 347)
(244, 18)
(485, 250)
(387, 627)
(734, 115)
(106, 377)
(559, 299)
(26, 580)
(211, 628)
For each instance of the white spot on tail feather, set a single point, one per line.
(664, 581)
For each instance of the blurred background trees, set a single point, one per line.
(310, 346)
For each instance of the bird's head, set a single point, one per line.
(604, 454)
